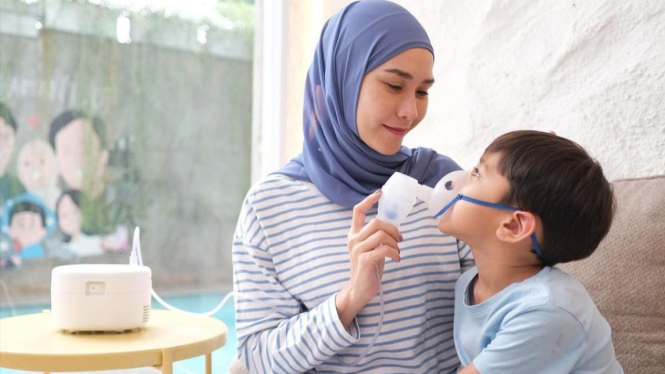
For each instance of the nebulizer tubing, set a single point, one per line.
(135, 258)
(399, 194)
(378, 327)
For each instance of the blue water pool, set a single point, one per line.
(221, 358)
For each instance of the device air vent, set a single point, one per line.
(146, 313)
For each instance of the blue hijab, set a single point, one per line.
(353, 42)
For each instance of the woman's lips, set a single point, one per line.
(395, 131)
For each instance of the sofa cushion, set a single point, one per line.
(626, 275)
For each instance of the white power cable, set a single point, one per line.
(135, 258)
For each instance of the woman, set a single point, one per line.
(305, 280)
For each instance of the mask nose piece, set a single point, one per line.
(445, 192)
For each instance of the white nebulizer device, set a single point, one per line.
(401, 192)
(100, 297)
(398, 196)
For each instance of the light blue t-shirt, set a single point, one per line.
(545, 324)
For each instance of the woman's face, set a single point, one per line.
(393, 99)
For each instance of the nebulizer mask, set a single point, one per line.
(401, 192)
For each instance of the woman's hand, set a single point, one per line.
(368, 248)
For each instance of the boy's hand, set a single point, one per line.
(368, 248)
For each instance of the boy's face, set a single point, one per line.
(474, 223)
(27, 228)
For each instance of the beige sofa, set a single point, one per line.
(626, 276)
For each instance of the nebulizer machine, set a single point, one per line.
(106, 297)
(399, 195)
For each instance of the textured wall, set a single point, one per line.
(593, 71)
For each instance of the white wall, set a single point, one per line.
(590, 70)
(285, 38)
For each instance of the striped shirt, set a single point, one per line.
(290, 259)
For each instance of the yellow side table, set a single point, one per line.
(30, 342)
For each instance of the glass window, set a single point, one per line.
(118, 114)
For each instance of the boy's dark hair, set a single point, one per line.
(556, 179)
(27, 206)
(6, 114)
(67, 117)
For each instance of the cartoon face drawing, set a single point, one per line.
(69, 216)
(27, 228)
(70, 220)
(7, 143)
(37, 168)
(80, 156)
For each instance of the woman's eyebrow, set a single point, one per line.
(406, 75)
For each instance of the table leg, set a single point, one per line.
(167, 361)
(209, 363)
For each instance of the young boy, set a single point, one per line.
(533, 201)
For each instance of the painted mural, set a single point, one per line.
(61, 202)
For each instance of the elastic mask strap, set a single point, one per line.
(459, 197)
(451, 203)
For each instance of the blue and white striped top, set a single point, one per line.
(290, 258)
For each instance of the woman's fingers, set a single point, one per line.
(360, 210)
(380, 253)
(370, 229)
(377, 239)
(378, 225)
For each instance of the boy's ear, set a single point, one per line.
(517, 227)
